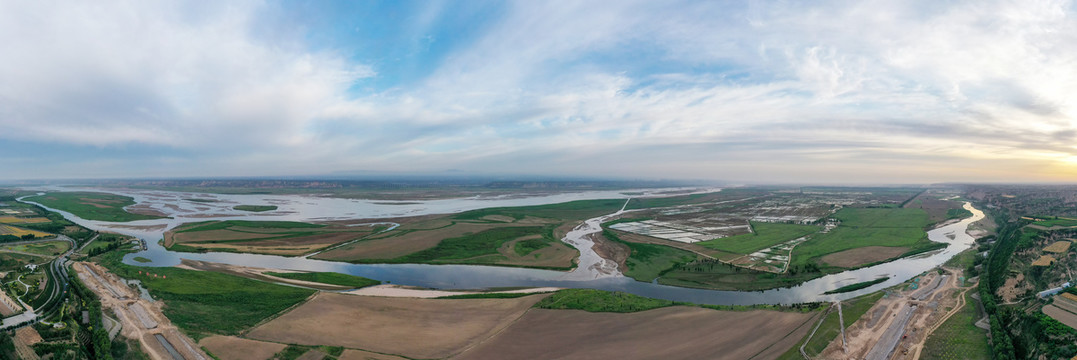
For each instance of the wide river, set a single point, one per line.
(310, 208)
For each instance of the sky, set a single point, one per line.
(744, 91)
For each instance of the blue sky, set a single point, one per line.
(752, 91)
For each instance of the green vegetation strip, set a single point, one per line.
(855, 287)
(591, 300)
(331, 278)
(221, 225)
(142, 259)
(209, 302)
(255, 208)
(92, 205)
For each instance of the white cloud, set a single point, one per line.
(695, 89)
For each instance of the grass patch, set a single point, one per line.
(142, 259)
(331, 278)
(855, 287)
(201, 200)
(255, 208)
(600, 301)
(209, 302)
(477, 248)
(92, 205)
(292, 352)
(647, 262)
(525, 247)
(765, 235)
(860, 227)
(958, 213)
(958, 337)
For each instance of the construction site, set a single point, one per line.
(139, 318)
(897, 326)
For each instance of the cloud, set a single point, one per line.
(753, 90)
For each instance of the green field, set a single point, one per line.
(1050, 221)
(142, 259)
(331, 278)
(210, 302)
(255, 208)
(765, 235)
(852, 310)
(860, 227)
(91, 205)
(592, 300)
(477, 248)
(601, 301)
(649, 261)
(958, 337)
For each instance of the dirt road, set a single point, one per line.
(897, 326)
(140, 318)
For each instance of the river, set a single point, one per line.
(310, 208)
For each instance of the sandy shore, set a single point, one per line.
(389, 290)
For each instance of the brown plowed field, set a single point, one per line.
(1063, 316)
(865, 255)
(233, 348)
(666, 333)
(416, 328)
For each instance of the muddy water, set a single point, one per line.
(591, 266)
(599, 274)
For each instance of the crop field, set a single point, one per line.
(92, 205)
(20, 232)
(415, 328)
(797, 235)
(958, 337)
(263, 237)
(23, 220)
(651, 334)
(862, 227)
(1059, 247)
(527, 236)
(234, 348)
(764, 236)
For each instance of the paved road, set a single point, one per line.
(56, 270)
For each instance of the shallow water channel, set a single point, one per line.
(308, 208)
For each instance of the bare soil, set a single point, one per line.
(666, 333)
(865, 255)
(1063, 316)
(234, 348)
(415, 328)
